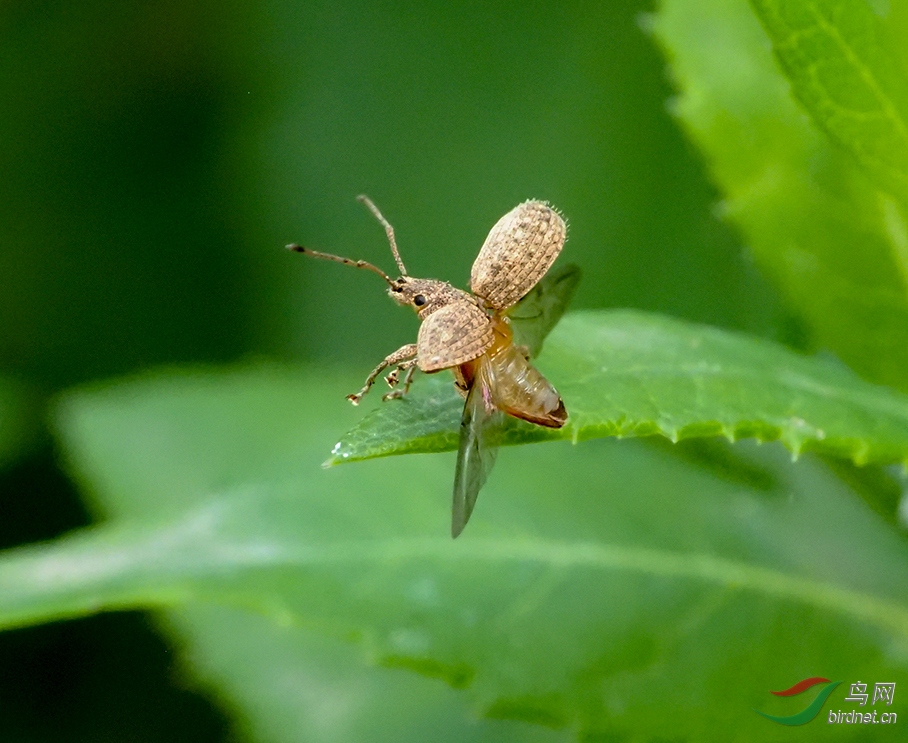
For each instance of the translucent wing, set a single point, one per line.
(519, 250)
(534, 316)
(476, 455)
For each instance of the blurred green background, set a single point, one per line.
(156, 157)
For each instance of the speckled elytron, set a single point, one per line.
(471, 334)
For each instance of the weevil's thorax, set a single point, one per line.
(426, 296)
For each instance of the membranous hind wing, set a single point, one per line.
(534, 316)
(504, 382)
(479, 429)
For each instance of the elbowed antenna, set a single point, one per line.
(389, 230)
(346, 261)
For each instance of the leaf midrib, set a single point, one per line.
(167, 586)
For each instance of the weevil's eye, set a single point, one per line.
(419, 300)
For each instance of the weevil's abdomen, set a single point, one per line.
(514, 385)
(520, 390)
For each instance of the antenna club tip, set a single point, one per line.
(295, 248)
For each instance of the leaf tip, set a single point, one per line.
(794, 443)
(338, 456)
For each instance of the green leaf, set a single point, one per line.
(286, 683)
(818, 224)
(603, 588)
(625, 373)
(839, 57)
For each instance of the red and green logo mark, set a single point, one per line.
(812, 709)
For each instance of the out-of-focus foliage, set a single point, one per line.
(842, 61)
(825, 217)
(18, 424)
(155, 160)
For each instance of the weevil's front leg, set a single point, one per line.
(394, 377)
(402, 354)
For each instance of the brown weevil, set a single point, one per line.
(472, 335)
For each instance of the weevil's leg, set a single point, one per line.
(394, 377)
(410, 366)
(408, 380)
(404, 353)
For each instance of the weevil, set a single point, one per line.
(471, 334)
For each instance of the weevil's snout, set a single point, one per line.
(409, 292)
(398, 291)
(424, 296)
